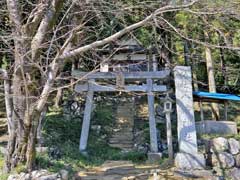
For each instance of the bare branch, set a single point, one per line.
(14, 14)
(43, 27)
(36, 16)
(127, 29)
(198, 41)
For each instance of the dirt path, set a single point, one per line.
(126, 170)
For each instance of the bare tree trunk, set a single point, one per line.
(186, 53)
(223, 68)
(194, 74)
(11, 124)
(211, 79)
(32, 140)
(40, 126)
(58, 98)
(195, 79)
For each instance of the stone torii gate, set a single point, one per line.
(93, 84)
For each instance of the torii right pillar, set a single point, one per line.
(188, 157)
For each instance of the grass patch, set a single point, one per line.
(62, 138)
(3, 176)
(1, 161)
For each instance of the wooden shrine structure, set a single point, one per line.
(130, 68)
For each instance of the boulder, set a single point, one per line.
(218, 171)
(12, 177)
(234, 174)
(223, 160)
(3, 150)
(219, 144)
(64, 174)
(237, 160)
(48, 177)
(185, 161)
(234, 146)
(35, 175)
(154, 157)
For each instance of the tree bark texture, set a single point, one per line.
(211, 79)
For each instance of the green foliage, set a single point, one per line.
(136, 157)
(20, 168)
(145, 36)
(1, 161)
(182, 18)
(64, 135)
(179, 48)
(57, 129)
(3, 176)
(103, 115)
(4, 63)
(43, 161)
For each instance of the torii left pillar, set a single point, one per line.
(154, 155)
(86, 119)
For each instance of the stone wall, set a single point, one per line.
(223, 156)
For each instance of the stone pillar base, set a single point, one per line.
(154, 157)
(84, 153)
(186, 161)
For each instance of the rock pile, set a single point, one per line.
(224, 156)
(40, 175)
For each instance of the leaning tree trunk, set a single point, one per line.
(23, 124)
(32, 140)
(26, 103)
(211, 79)
(58, 98)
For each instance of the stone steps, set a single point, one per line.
(123, 128)
(122, 136)
(121, 139)
(122, 146)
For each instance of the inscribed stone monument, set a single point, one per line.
(187, 138)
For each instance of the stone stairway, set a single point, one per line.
(122, 136)
(141, 111)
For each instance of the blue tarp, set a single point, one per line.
(230, 97)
